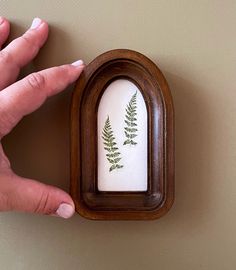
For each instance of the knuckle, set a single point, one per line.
(6, 123)
(29, 42)
(6, 194)
(36, 80)
(4, 203)
(5, 57)
(4, 161)
(43, 205)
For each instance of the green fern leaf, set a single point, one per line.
(131, 130)
(119, 166)
(130, 121)
(133, 136)
(126, 142)
(117, 160)
(112, 168)
(113, 155)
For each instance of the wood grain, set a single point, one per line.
(158, 199)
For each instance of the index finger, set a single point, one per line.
(28, 94)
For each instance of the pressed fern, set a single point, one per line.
(130, 121)
(113, 155)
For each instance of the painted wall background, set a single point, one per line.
(194, 43)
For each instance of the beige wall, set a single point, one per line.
(194, 43)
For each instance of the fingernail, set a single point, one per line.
(65, 210)
(77, 63)
(36, 23)
(1, 20)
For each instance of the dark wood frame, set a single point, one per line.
(158, 199)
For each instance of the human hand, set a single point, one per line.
(20, 98)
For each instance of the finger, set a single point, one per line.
(26, 195)
(28, 94)
(21, 51)
(4, 30)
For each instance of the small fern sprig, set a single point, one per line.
(130, 121)
(113, 155)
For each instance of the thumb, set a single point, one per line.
(28, 195)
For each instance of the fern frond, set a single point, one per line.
(113, 155)
(130, 121)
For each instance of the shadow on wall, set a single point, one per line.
(57, 50)
(62, 47)
(194, 151)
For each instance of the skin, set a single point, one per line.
(18, 99)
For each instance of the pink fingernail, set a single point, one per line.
(65, 210)
(36, 23)
(1, 20)
(77, 63)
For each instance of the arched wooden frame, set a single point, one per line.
(157, 200)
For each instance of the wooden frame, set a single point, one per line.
(158, 199)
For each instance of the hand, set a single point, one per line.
(20, 98)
